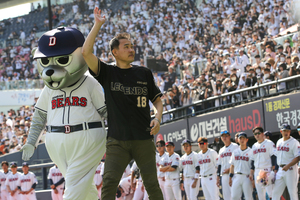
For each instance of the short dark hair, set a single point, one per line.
(161, 142)
(258, 128)
(4, 163)
(115, 42)
(202, 139)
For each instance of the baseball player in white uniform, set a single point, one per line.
(223, 164)
(190, 175)
(172, 173)
(27, 184)
(57, 183)
(208, 170)
(71, 105)
(136, 183)
(160, 155)
(12, 182)
(98, 178)
(125, 189)
(264, 159)
(3, 177)
(127, 172)
(287, 152)
(240, 161)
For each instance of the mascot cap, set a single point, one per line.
(56, 42)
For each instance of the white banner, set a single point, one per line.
(18, 97)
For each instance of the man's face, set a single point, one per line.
(203, 145)
(242, 140)
(187, 147)
(259, 136)
(285, 133)
(13, 169)
(159, 147)
(125, 52)
(225, 138)
(25, 169)
(5, 167)
(170, 149)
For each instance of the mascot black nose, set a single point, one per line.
(49, 72)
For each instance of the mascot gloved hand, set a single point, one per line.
(72, 105)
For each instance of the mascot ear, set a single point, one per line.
(33, 51)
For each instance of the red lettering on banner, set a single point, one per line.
(245, 123)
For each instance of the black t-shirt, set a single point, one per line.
(127, 94)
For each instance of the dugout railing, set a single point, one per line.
(240, 96)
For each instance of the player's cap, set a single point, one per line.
(25, 164)
(285, 127)
(13, 164)
(56, 42)
(186, 141)
(242, 134)
(268, 133)
(279, 47)
(170, 143)
(225, 132)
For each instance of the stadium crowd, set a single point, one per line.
(14, 129)
(229, 42)
(232, 40)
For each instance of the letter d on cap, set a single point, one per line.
(52, 41)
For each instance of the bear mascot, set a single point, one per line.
(71, 107)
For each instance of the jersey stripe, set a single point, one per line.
(40, 109)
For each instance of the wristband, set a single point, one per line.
(196, 175)
(156, 119)
(231, 175)
(181, 181)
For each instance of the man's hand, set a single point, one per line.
(230, 181)
(55, 191)
(181, 187)
(155, 127)
(226, 171)
(218, 181)
(194, 183)
(251, 177)
(28, 151)
(133, 186)
(285, 168)
(52, 186)
(98, 186)
(97, 15)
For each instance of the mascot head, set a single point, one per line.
(59, 59)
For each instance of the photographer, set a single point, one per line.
(282, 72)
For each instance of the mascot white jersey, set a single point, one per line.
(72, 105)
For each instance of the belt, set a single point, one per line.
(282, 165)
(208, 175)
(73, 128)
(241, 173)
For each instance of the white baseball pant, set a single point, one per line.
(30, 196)
(162, 187)
(138, 193)
(191, 193)
(172, 189)
(15, 197)
(210, 188)
(260, 188)
(162, 183)
(59, 195)
(226, 189)
(4, 195)
(287, 179)
(241, 184)
(77, 155)
(99, 192)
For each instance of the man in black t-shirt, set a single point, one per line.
(128, 89)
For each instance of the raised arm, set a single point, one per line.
(87, 49)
